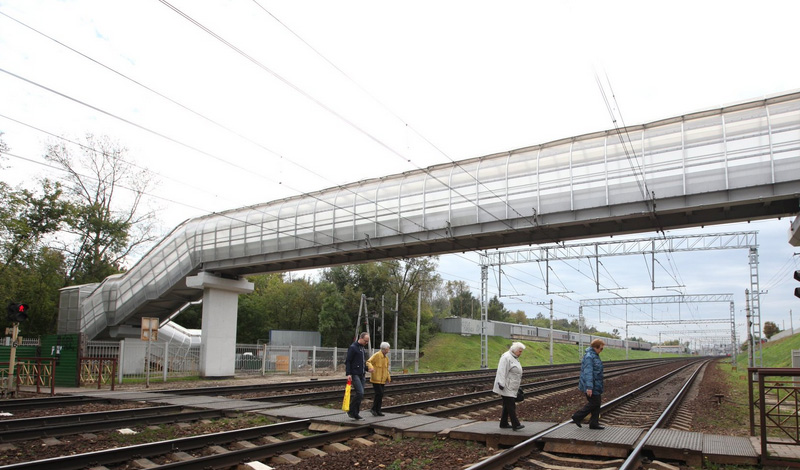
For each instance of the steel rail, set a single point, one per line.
(26, 404)
(635, 457)
(73, 428)
(122, 454)
(534, 388)
(45, 421)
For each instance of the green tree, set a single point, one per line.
(334, 321)
(496, 310)
(107, 222)
(408, 278)
(770, 329)
(276, 304)
(30, 271)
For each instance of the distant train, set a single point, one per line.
(468, 326)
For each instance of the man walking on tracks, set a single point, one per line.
(591, 384)
(355, 367)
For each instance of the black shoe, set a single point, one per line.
(505, 426)
(350, 415)
(577, 423)
(381, 414)
(374, 413)
(597, 426)
(358, 418)
(518, 427)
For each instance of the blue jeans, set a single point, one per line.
(355, 398)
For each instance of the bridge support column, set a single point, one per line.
(218, 339)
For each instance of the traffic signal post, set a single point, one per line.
(15, 313)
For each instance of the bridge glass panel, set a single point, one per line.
(523, 189)
(343, 217)
(705, 155)
(492, 189)
(385, 210)
(784, 120)
(589, 173)
(554, 179)
(663, 156)
(463, 206)
(413, 197)
(624, 168)
(437, 197)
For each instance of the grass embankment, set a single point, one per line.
(452, 352)
(735, 408)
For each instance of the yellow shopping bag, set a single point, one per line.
(346, 401)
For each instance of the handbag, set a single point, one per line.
(520, 395)
(346, 401)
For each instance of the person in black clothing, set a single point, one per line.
(355, 367)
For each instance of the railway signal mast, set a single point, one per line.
(15, 313)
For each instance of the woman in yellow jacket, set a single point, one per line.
(379, 364)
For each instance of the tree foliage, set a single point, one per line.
(54, 235)
(107, 221)
(771, 329)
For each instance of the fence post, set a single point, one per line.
(335, 356)
(165, 364)
(120, 357)
(290, 361)
(403, 359)
(313, 360)
(264, 360)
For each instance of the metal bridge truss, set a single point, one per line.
(644, 246)
(671, 299)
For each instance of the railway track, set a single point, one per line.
(256, 443)
(620, 412)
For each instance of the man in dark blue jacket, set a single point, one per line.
(591, 384)
(355, 367)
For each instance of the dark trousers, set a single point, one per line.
(377, 402)
(509, 412)
(355, 398)
(592, 407)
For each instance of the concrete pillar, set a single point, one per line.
(218, 338)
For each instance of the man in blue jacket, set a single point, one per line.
(355, 367)
(591, 384)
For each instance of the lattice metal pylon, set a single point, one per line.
(484, 316)
(755, 310)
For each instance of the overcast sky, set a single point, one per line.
(273, 99)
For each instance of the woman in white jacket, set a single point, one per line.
(506, 384)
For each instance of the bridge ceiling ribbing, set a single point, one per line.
(736, 163)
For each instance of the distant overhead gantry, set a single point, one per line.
(652, 245)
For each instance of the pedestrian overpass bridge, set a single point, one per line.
(735, 163)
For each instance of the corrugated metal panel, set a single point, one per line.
(675, 439)
(22, 351)
(67, 349)
(728, 445)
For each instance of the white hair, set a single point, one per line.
(384, 345)
(516, 346)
